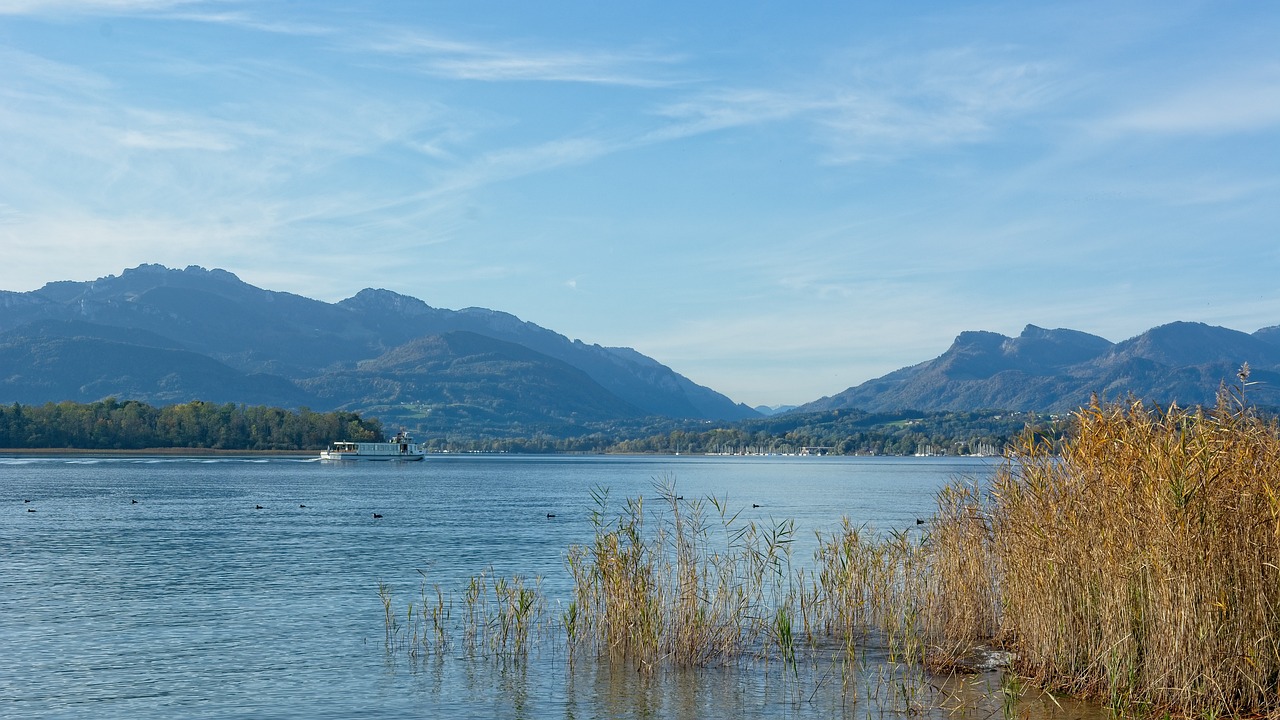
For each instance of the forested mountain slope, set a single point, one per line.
(162, 335)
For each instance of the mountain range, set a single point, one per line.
(164, 335)
(1060, 370)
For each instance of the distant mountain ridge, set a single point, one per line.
(164, 335)
(1059, 370)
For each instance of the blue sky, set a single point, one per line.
(778, 200)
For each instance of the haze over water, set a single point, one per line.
(194, 603)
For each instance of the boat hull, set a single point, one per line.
(353, 457)
(401, 448)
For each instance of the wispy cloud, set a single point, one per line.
(213, 12)
(888, 108)
(725, 108)
(495, 62)
(53, 7)
(152, 130)
(441, 145)
(253, 22)
(46, 246)
(1200, 189)
(27, 72)
(880, 108)
(88, 164)
(1241, 102)
(977, 96)
(175, 140)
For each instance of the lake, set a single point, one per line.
(248, 587)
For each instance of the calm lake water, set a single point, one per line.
(192, 602)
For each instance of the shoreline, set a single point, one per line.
(143, 452)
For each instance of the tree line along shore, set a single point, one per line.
(115, 425)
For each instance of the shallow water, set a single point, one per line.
(192, 602)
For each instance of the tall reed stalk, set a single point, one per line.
(1136, 564)
(690, 585)
(1136, 561)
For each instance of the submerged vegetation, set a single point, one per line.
(676, 584)
(1133, 563)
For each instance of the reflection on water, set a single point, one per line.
(193, 602)
(551, 688)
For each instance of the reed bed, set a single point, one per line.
(1135, 564)
(675, 583)
(688, 585)
(501, 617)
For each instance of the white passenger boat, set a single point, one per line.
(401, 447)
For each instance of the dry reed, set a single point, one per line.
(689, 585)
(1135, 564)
